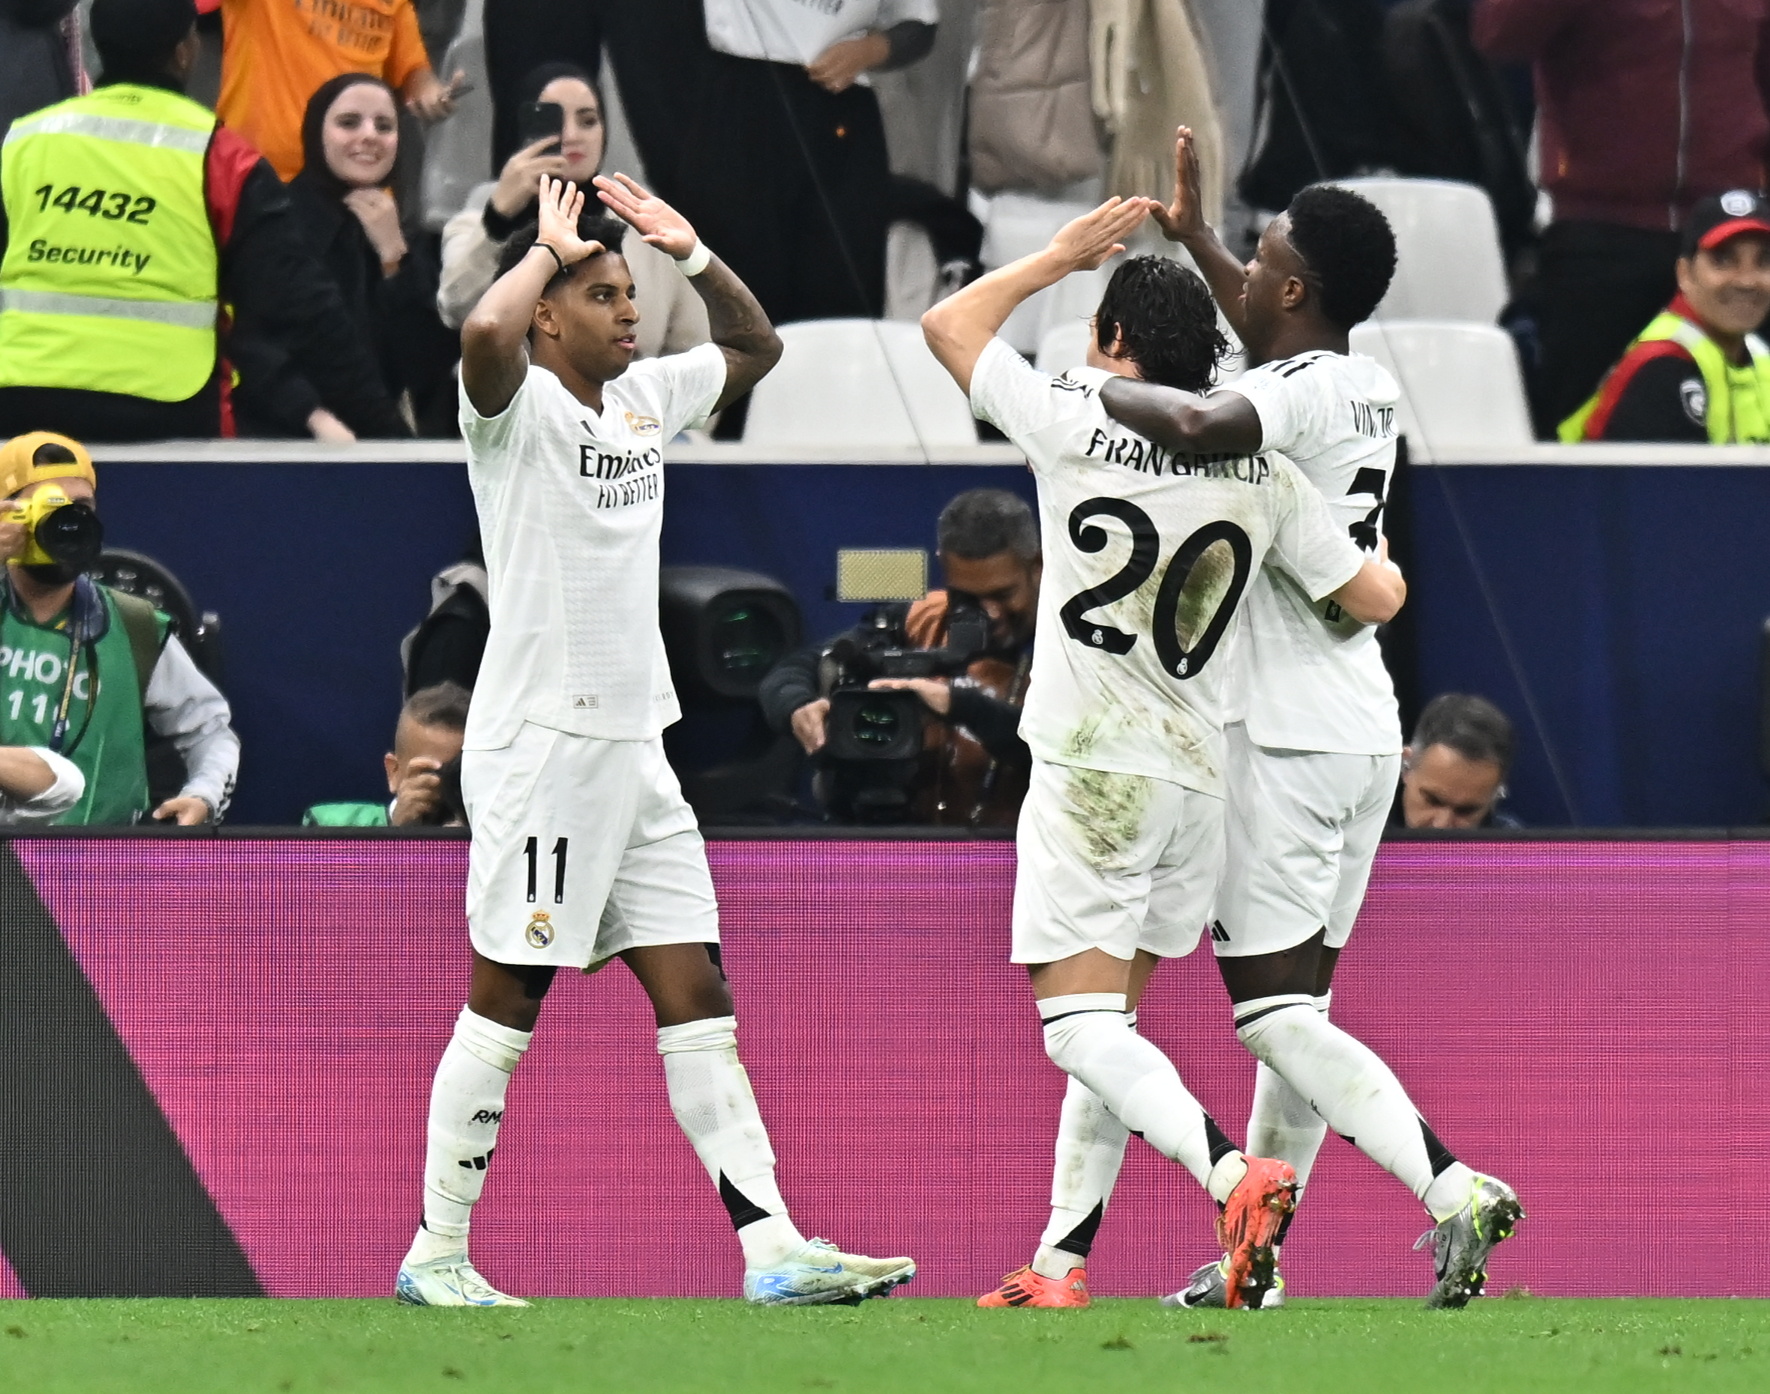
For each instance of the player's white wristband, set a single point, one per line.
(696, 261)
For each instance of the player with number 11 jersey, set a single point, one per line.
(1147, 556)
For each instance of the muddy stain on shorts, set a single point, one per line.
(1108, 810)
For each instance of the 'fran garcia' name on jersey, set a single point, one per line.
(623, 477)
(1146, 457)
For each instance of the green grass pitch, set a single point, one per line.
(902, 1345)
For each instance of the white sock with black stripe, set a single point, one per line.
(711, 1097)
(1087, 1036)
(466, 1107)
(1281, 1124)
(1090, 1150)
(1345, 1082)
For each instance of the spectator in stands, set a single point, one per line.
(975, 765)
(1644, 108)
(39, 55)
(204, 221)
(423, 770)
(1698, 372)
(90, 670)
(787, 175)
(1453, 772)
(672, 317)
(276, 53)
(349, 222)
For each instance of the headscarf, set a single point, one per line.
(529, 90)
(314, 169)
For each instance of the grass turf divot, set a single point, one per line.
(147, 1346)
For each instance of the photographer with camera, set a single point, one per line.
(961, 656)
(86, 671)
(423, 769)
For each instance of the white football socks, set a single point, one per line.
(1090, 1150)
(1356, 1093)
(1088, 1037)
(711, 1098)
(1281, 1124)
(466, 1107)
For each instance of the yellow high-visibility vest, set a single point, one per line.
(110, 280)
(1738, 405)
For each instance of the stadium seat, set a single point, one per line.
(1460, 384)
(858, 382)
(1448, 260)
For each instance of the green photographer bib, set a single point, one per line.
(105, 738)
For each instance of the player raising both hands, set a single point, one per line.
(1147, 555)
(583, 848)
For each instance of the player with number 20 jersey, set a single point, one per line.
(1147, 556)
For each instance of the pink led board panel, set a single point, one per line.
(1584, 1019)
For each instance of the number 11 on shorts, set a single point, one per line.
(533, 852)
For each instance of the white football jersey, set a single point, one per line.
(1310, 677)
(1147, 553)
(797, 31)
(570, 506)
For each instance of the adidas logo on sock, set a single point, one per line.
(478, 1163)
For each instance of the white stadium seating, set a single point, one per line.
(1460, 384)
(1449, 264)
(863, 383)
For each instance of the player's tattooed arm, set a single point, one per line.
(1183, 221)
(960, 327)
(736, 318)
(1224, 422)
(494, 337)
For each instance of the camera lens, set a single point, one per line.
(71, 535)
(876, 723)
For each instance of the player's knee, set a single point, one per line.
(1265, 1025)
(1075, 1025)
(512, 995)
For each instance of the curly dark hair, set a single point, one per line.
(596, 225)
(1348, 246)
(1164, 314)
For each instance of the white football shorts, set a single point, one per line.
(1116, 862)
(1302, 832)
(581, 849)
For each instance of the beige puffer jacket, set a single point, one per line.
(1032, 114)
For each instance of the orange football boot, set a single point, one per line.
(1249, 1225)
(1025, 1288)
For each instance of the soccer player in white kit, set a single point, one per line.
(1147, 555)
(583, 848)
(1314, 757)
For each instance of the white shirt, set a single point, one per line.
(570, 506)
(797, 31)
(1310, 676)
(1135, 684)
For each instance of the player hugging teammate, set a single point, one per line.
(1146, 817)
(583, 848)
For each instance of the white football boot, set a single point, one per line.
(820, 1272)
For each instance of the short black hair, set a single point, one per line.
(1472, 726)
(443, 705)
(594, 225)
(983, 523)
(53, 453)
(136, 39)
(1348, 247)
(1166, 321)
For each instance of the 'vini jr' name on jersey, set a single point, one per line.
(624, 477)
(1146, 457)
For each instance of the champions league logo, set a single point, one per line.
(540, 930)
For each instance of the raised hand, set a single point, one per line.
(647, 214)
(1090, 240)
(559, 205)
(1183, 217)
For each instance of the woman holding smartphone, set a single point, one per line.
(559, 122)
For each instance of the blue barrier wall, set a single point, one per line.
(1630, 599)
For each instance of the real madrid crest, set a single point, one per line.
(540, 930)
